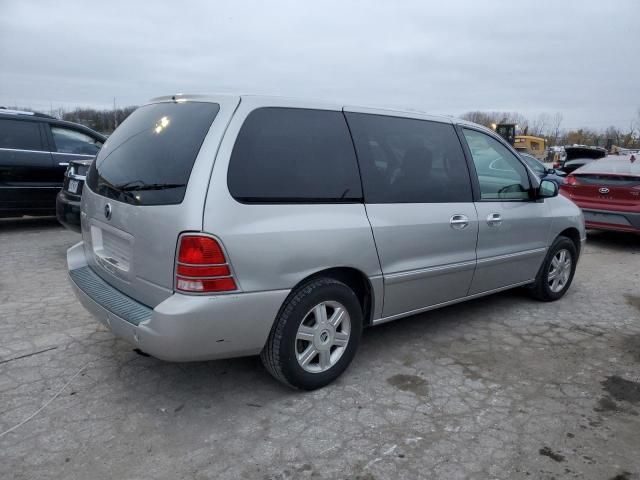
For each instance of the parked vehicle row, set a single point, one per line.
(556, 176)
(68, 199)
(577, 156)
(32, 144)
(215, 227)
(35, 151)
(608, 191)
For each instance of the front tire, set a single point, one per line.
(315, 336)
(557, 271)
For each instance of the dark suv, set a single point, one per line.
(35, 150)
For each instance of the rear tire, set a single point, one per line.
(557, 271)
(315, 336)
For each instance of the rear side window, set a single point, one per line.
(294, 155)
(406, 160)
(73, 141)
(20, 135)
(148, 159)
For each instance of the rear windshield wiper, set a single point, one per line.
(150, 186)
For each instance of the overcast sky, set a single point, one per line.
(580, 58)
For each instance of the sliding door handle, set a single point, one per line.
(459, 221)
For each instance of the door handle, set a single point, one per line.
(63, 164)
(459, 221)
(494, 219)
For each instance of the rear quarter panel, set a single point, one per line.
(275, 246)
(151, 231)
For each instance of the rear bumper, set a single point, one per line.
(68, 211)
(182, 327)
(612, 220)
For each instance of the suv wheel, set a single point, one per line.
(315, 336)
(556, 274)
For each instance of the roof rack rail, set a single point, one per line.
(9, 111)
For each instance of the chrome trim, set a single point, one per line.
(74, 154)
(46, 151)
(410, 275)
(450, 302)
(76, 177)
(508, 256)
(459, 221)
(24, 150)
(16, 186)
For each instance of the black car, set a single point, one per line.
(541, 171)
(579, 155)
(572, 165)
(35, 150)
(68, 199)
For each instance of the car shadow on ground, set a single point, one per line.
(620, 241)
(29, 223)
(382, 343)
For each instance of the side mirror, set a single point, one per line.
(547, 189)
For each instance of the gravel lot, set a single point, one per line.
(501, 387)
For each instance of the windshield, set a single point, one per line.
(148, 159)
(534, 164)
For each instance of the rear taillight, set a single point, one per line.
(571, 180)
(202, 266)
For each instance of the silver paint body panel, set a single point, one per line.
(411, 255)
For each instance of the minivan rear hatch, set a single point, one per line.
(147, 185)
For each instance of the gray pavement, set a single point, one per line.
(501, 387)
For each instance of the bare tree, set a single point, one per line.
(539, 126)
(629, 137)
(554, 128)
(550, 126)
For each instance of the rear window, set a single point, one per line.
(20, 135)
(294, 155)
(148, 159)
(610, 180)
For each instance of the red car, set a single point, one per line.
(608, 191)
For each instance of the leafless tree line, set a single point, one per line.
(549, 126)
(546, 125)
(104, 121)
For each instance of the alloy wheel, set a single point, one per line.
(323, 336)
(559, 270)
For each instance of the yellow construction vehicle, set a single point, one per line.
(532, 145)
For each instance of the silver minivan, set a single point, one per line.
(223, 226)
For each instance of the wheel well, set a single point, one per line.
(573, 235)
(354, 279)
